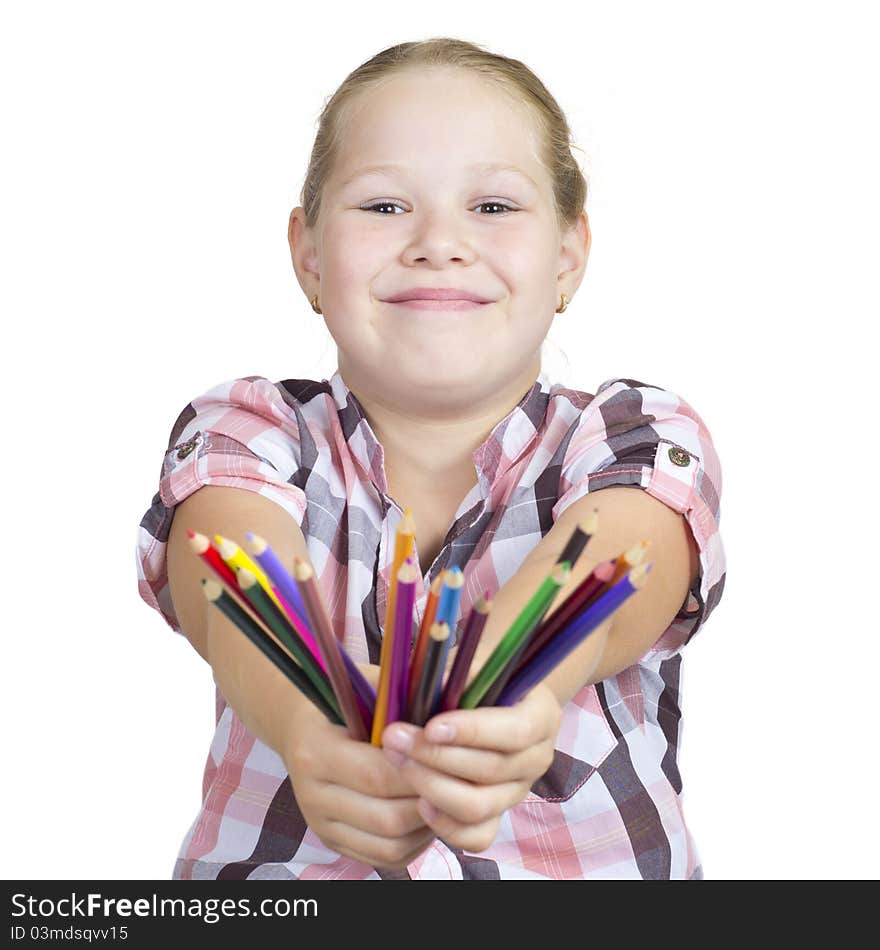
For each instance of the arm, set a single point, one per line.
(351, 797)
(490, 760)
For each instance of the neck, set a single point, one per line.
(432, 445)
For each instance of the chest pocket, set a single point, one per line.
(585, 740)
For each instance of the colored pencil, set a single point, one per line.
(579, 538)
(277, 572)
(300, 623)
(418, 657)
(235, 557)
(201, 545)
(514, 639)
(503, 678)
(320, 622)
(432, 673)
(215, 593)
(404, 539)
(470, 637)
(403, 626)
(625, 562)
(281, 627)
(588, 588)
(448, 613)
(573, 635)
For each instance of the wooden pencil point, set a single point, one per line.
(638, 576)
(455, 578)
(246, 578)
(439, 631)
(226, 547)
(211, 589)
(258, 544)
(590, 523)
(636, 554)
(302, 570)
(561, 573)
(407, 523)
(407, 573)
(197, 542)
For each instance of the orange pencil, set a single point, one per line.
(403, 546)
(421, 647)
(624, 564)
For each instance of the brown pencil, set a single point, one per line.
(322, 627)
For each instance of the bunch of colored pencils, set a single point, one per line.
(285, 616)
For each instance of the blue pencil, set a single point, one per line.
(447, 612)
(573, 635)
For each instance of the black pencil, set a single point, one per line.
(216, 594)
(432, 674)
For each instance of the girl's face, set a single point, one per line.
(436, 216)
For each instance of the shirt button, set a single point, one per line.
(679, 456)
(185, 448)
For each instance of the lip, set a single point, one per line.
(437, 294)
(456, 304)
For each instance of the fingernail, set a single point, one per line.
(398, 738)
(440, 732)
(395, 758)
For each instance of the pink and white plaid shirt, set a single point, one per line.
(610, 805)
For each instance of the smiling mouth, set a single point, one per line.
(458, 304)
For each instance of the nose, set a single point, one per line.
(439, 237)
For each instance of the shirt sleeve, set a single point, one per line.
(633, 433)
(240, 434)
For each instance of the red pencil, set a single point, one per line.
(576, 601)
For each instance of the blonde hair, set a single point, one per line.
(510, 75)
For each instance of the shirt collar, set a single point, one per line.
(507, 441)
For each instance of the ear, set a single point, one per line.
(303, 252)
(574, 252)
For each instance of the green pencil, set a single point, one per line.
(514, 641)
(216, 594)
(280, 626)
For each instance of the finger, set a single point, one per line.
(463, 801)
(475, 838)
(373, 850)
(482, 766)
(383, 817)
(344, 761)
(502, 728)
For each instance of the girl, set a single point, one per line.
(442, 227)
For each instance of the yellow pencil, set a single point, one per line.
(403, 546)
(235, 557)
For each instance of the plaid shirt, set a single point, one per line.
(610, 804)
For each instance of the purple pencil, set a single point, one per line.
(470, 637)
(573, 635)
(404, 605)
(271, 564)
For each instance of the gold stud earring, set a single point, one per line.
(315, 306)
(563, 305)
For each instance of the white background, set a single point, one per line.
(152, 155)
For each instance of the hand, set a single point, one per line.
(352, 797)
(469, 766)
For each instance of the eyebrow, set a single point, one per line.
(485, 167)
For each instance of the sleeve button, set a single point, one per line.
(679, 456)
